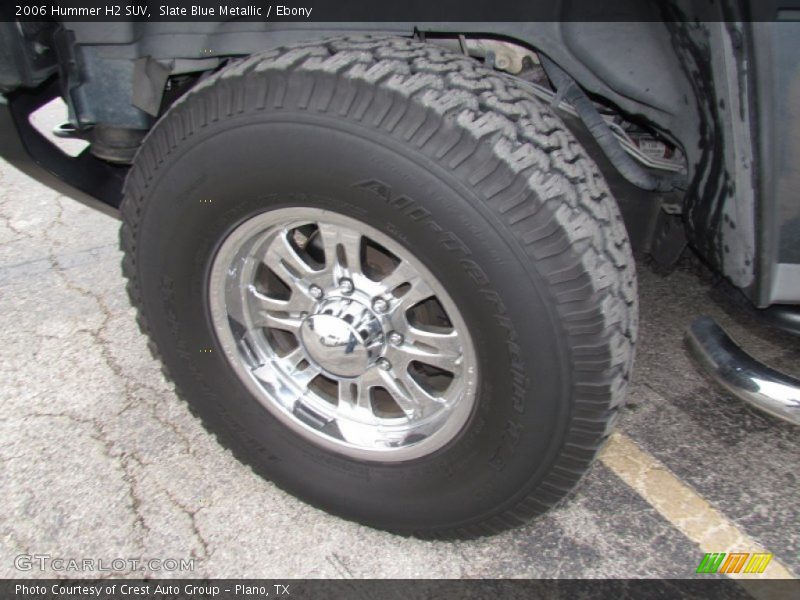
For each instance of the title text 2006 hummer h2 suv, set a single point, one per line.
(383, 263)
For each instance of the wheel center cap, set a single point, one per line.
(343, 337)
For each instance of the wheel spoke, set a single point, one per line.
(302, 377)
(291, 310)
(252, 348)
(267, 303)
(293, 359)
(354, 400)
(403, 273)
(292, 362)
(417, 291)
(415, 402)
(291, 324)
(445, 343)
(284, 260)
(338, 241)
(440, 350)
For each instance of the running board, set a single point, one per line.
(740, 374)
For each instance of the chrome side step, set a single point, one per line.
(740, 374)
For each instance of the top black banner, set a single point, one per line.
(406, 11)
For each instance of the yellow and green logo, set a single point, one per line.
(734, 562)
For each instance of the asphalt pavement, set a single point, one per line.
(99, 459)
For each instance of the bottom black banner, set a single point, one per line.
(391, 589)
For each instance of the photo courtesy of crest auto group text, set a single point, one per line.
(417, 299)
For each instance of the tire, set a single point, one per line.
(467, 173)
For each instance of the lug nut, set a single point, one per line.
(395, 338)
(384, 364)
(347, 286)
(380, 305)
(315, 291)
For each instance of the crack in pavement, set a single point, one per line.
(8, 221)
(120, 458)
(129, 460)
(192, 514)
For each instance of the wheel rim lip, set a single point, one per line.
(257, 227)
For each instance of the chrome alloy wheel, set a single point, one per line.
(342, 334)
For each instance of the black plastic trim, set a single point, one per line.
(85, 178)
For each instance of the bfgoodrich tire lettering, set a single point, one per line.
(464, 169)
